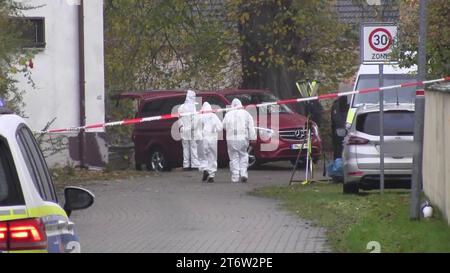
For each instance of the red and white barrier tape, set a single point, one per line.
(280, 102)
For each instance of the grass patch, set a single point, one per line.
(354, 220)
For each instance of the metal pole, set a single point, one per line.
(381, 95)
(82, 84)
(307, 149)
(416, 182)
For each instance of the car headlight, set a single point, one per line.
(265, 133)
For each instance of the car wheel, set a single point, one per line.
(158, 161)
(351, 188)
(252, 160)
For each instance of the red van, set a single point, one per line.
(156, 147)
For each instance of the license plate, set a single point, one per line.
(297, 146)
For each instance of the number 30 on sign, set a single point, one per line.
(376, 42)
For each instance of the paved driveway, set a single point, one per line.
(175, 212)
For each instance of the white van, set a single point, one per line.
(368, 77)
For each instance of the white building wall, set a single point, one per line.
(56, 68)
(94, 62)
(55, 71)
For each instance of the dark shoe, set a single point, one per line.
(244, 179)
(211, 180)
(205, 176)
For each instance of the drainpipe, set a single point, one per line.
(81, 63)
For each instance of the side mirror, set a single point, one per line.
(77, 199)
(341, 132)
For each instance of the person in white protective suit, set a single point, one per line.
(189, 132)
(240, 129)
(211, 126)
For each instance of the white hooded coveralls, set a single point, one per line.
(240, 130)
(189, 131)
(211, 126)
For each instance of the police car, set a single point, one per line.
(31, 219)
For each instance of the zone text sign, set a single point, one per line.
(377, 40)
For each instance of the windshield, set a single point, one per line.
(400, 95)
(256, 98)
(10, 191)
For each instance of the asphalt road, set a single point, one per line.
(175, 212)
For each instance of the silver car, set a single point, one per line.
(361, 154)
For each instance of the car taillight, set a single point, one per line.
(25, 234)
(3, 236)
(354, 140)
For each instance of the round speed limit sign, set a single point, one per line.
(376, 42)
(380, 39)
